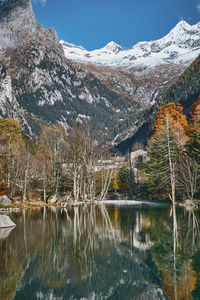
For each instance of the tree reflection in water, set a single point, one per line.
(174, 255)
(98, 253)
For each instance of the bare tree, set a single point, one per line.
(84, 154)
(189, 173)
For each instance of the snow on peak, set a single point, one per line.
(66, 44)
(181, 29)
(180, 46)
(182, 24)
(183, 35)
(114, 47)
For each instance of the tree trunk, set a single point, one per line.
(44, 185)
(26, 178)
(171, 166)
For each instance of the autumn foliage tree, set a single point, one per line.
(3, 164)
(165, 149)
(13, 144)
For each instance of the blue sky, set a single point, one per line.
(94, 23)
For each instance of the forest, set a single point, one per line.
(173, 149)
(74, 166)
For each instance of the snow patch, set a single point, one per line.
(180, 46)
(127, 202)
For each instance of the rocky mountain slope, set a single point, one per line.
(146, 70)
(41, 84)
(18, 25)
(185, 91)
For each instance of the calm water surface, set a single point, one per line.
(100, 253)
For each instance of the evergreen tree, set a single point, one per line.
(193, 146)
(194, 142)
(165, 149)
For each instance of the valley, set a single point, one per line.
(57, 82)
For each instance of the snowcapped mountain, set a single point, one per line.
(43, 81)
(38, 85)
(180, 46)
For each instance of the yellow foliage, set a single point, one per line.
(114, 184)
(10, 128)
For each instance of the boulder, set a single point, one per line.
(4, 200)
(153, 293)
(5, 221)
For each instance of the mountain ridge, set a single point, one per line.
(38, 85)
(180, 45)
(185, 91)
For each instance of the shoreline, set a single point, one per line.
(195, 204)
(26, 205)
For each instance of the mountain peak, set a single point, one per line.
(8, 6)
(114, 47)
(184, 35)
(180, 46)
(182, 25)
(70, 45)
(18, 24)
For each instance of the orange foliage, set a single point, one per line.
(185, 286)
(3, 189)
(12, 72)
(185, 282)
(172, 113)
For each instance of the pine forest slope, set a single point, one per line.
(185, 91)
(46, 88)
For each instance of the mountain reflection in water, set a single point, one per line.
(101, 253)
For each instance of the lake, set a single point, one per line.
(99, 252)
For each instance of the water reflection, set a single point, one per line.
(4, 232)
(174, 254)
(146, 244)
(98, 253)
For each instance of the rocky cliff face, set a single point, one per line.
(39, 85)
(18, 24)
